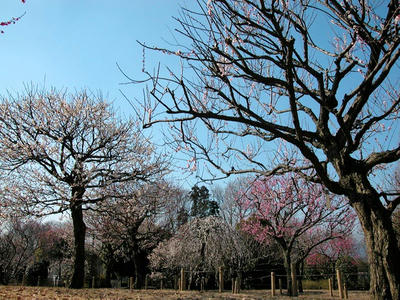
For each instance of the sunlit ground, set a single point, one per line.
(18, 292)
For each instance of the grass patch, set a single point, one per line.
(321, 284)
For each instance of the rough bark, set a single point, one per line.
(382, 249)
(287, 263)
(78, 276)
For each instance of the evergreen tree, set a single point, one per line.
(202, 205)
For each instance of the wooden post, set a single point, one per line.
(161, 284)
(38, 281)
(294, 280)
(233, 285)
(182, 281)
(93, 282)
(146, 281)
(131, 283)
(339, 281)
(221, 279)
(330, 287)
(280, 285)
(272, 284)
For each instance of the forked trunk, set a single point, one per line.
(78, 276)
(382, 248)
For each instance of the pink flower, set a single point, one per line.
(397, 19)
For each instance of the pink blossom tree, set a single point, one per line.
(346, 254)
(322, 76)
(60, 151)
(297, 215)
(326, 255)
(331, 251)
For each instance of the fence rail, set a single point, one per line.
(224, 281)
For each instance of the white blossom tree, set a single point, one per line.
(59, 150)
(203, 245)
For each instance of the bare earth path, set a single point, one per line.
(20, 293)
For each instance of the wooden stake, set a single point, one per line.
(294, 280)
(330, 286)
(182, 281)
(339, 281)
(272, 284)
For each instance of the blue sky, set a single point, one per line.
(76, 44)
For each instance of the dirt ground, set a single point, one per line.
(19, 293)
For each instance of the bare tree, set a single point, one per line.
(59, 151)
(130, 224)
(227, 197)
(19, 241)
(312, 76)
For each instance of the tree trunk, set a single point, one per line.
(287, 265)
(138, 274)
(107, 280)
(78, 276)
(383, 251)
(108, 261)
(139, 261)
(300, 273)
